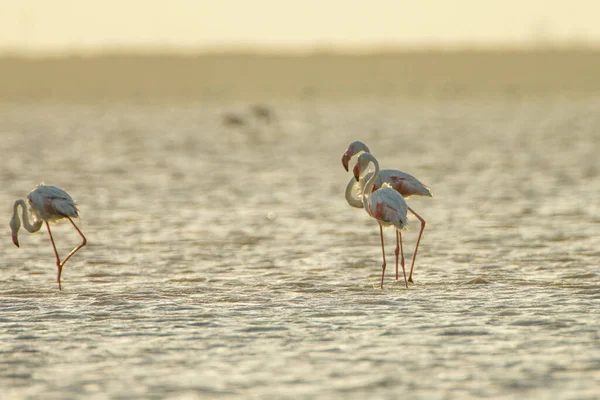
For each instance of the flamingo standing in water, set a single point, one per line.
(386, 205)
(406, 184)
(48, 204)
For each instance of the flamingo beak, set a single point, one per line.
(15, 238)
(356, 172)
(346, 158)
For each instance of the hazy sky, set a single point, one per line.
(68, 25)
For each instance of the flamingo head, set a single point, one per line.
(356, 171)
(15, 225)
(362, 164)
(15, 239)
(353, 149)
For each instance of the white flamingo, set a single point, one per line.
(406, 184)
(386, 205)
(48, 204)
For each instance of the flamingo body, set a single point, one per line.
(51, 204)
(404, 183)
(387, 207)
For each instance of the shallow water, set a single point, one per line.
(224, 262)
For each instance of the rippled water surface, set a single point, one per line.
(223, 261)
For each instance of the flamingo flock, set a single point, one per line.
(388, 209)
(381, 193)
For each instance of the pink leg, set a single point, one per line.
(399, 250)
(399, 247)
(383, 252)
(58, 264)
(83, 242)
(418, 241)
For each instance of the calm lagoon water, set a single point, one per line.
(223, 262)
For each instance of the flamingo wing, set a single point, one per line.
(51, 203)
(406, 184)
(65, 207)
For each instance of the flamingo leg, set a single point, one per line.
(58, 264)
(399, 250)
(418, 241)
(396, 253)
(83, 242)
(383, 252)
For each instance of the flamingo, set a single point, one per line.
(48, 204)
(386, 205)
(406, 184)
(262, 112)
(233, 119)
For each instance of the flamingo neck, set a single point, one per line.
(30, 227)
(350, 198)
(370, 183)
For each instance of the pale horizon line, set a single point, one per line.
(300, 50)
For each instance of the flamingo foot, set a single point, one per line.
(58, 278)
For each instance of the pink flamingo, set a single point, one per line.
(48, 204)
(406, 184)
(386, 205)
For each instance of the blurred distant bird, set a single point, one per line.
(233, 119)
(48, 204)
(386, 205)
(262, 112)
(406, 184)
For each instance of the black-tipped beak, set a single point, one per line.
(15, 239)
(345, 160)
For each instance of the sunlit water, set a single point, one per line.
(223, 261)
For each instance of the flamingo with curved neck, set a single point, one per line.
(386, 205)
(48, 204)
